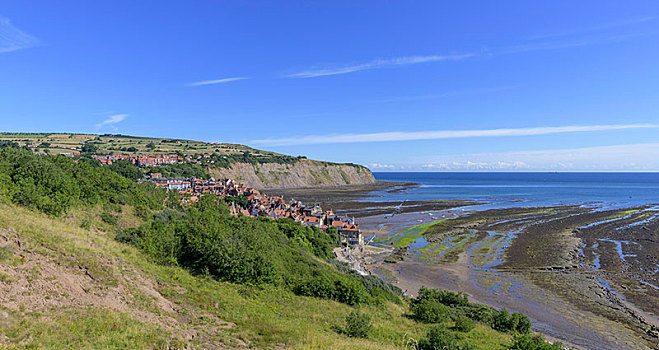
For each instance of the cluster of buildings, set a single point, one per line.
(149, 159)
(261, 205)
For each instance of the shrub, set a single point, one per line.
(521, 323)
(430, 311)
(533, 342)
(445, 297)
(517, 322)
(350, 291)
(502, 321)
(179, 170)
(379, 290)
(482, 313)
(433, 305)
(358, 324)
(464, 324)
(439, 338)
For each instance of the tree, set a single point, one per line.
(89, 148)
(8, 144)
(126, 169)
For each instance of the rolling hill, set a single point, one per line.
(253, 167)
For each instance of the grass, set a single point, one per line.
(407, 237)
(63, 143)
(265, 317)
(83, 329)
(447, 250)
(622, 214)
(5, 278)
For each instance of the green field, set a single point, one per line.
(62, 143)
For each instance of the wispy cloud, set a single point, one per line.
(627, 157)
(552, 41)
(597, 28)
(466, 92)
(111, 120)
(440, 134)
(12, 38)
(570, 43)
(379, 63)
(216, 81)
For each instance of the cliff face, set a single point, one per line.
(304, 173)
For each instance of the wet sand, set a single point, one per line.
(533, 260)
(359, 201)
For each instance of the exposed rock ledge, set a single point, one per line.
(304, 173)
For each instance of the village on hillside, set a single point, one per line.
(257, 204)
(262, 205)
(149, 159)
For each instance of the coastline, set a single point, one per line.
(359, 200)
(557, 288)
(604, 318)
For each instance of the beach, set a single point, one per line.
(585, 275)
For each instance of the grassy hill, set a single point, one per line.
(253, 167)
(123, 144)
(91, 259)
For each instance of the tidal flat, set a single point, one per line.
(586, 276)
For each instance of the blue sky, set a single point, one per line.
(395, 85)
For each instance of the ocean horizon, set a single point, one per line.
(513, 189)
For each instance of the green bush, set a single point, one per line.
(185, 170)
(445, 297)
(430, 311)
(433, 305)
(345, 289)
(481, 313)
(439, 338)
(358, 324)
(502, 321)
(533, 342)
(464, 324)
(379, 290)
(521, 323)
(517, 322)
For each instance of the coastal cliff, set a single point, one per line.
(303, 173)
(188, 158)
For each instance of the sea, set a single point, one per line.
(501, 190)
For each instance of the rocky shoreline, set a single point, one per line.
(540, 261)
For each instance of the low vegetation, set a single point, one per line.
(358, 325)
